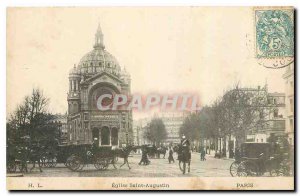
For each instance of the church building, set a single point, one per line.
(98, 73)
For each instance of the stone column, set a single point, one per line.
(99, 138)
(110, 136)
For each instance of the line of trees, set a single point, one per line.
(238, 112)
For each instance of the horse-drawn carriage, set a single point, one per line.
(257, 159)
(81, 155)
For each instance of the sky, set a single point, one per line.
(175, 49)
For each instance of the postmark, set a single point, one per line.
(274, 33)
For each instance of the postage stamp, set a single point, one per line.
(274, 33)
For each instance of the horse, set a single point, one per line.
(184, 158)
(124, 153)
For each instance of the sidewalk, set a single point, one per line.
(212, 155)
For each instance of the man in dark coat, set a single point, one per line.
(171, 158)
(185, 143)
(144, 159)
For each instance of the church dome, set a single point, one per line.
(98, 60)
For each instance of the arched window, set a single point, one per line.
(95, 135)
(114, 136)
(105, 136)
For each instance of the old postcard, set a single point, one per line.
(150, 98)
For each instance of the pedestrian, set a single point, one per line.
(144, 159)
(203, 154)
(200, 151)
(171, 158)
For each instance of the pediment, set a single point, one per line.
(103, 77)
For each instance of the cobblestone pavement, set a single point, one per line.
(212, 167)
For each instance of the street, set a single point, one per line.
(212, 167)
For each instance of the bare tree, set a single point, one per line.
(28, 115)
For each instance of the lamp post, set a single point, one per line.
(220, 140)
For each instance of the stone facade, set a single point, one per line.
(172, 122)
(275, 121)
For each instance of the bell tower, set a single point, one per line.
(74, 92)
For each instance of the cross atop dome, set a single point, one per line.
(99, 38)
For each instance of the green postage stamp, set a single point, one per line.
(274, 33)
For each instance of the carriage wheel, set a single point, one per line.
(75, 163)
(247, 168)
(234, 169)
(101, 163)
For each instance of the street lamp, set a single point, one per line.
(219, 131)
